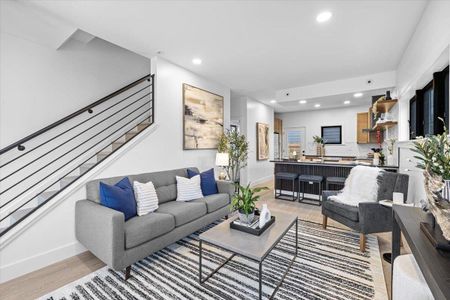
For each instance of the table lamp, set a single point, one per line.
(222, 160)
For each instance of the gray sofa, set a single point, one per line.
(119, 244)
(369, 217)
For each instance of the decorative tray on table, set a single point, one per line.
(252, 228)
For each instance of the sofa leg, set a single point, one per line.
(324, 221)
(127, 272)
(362, 242)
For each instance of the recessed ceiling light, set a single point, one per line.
(273, 101)
(302, 101)
(317, 105)
(358, 95)
(324, 16)
(197, 61)
(346, 102)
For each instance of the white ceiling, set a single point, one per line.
(255, 47)
(328, 102)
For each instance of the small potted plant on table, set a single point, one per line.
(320, 148)
(244, 201)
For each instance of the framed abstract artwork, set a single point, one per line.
(203, 116)
(262, 141)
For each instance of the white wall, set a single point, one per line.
(258, 171)
(52, 238)
(313, 120)
(247, 112)
(426, 53)
(40, 83)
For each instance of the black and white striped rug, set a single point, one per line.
(329, 266)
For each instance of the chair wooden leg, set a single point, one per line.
(324, 221)
(362, 242)
(127, 272)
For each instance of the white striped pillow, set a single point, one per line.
(188, 188)
(146, 197)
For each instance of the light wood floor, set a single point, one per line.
(43, 281)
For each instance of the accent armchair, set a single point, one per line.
(368, 217)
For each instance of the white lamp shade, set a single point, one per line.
(222, 159)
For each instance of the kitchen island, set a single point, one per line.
(325, 168)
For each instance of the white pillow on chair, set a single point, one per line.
(146, 197)
(188, 188)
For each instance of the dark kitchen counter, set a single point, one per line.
(326, 169)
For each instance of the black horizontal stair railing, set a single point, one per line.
(38, 162)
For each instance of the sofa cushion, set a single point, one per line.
(214, 202)
(183, 212)
(119, 197)
(207, 182)
(139, 230)
(344, 210)
(164, 182)
(189, 188)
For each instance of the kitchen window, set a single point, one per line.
(332, 135)
(294, 142)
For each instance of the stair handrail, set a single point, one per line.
(87, 108)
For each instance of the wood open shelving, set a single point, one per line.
(384, 106)
(384, 125)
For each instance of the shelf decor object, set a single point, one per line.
(434, 158)
(253, 228)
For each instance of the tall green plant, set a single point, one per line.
(434, 153)
(245, 199)
(236, 146)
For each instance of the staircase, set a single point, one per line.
(37, 168)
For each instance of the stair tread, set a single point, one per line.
(70, 177)
(48, 194)
(21, 212)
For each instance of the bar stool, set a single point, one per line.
(285, 176)
(310, 179)
(335, 180)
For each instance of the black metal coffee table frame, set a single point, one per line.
(260, 262)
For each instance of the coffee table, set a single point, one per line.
(252, 247)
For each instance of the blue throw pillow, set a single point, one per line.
(119, 197)
(208, 182)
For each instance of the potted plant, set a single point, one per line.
(378, 157)
(244, 201)
(236, 145)
(433, 153)
(320, 149)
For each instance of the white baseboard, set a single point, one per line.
(261, 180)
(41, 260)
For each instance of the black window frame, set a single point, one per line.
(340, 134)
(439, 103)
(413, 128)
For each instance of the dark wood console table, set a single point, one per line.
(434, 264)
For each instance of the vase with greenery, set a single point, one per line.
(244, 201)
(433, 155)
(320, 149)
(236, 145)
